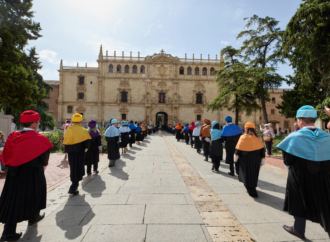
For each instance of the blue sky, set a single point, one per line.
(73, 30)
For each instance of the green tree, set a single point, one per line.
(236, 87)
(18, 86)
(261, 50)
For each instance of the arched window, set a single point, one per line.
(181, 70)
(211, 71)
(196, 71)
(161, 96)
(126, 69)
(119, 69)
(124, 97)
(142, 70)
(189, 70)
(69, 109)
(204, 71)
(199, 98)
(134, 69)
(111, 68)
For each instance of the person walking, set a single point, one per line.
(196, 138)
(112, 136)
(77, 141)
(306, 154)
(93, 153)
(267, 137)
(216, 149)
(206, 138)
(191, 129)
(178, 130)
(139, 136)
(186, 133)
(231, 134)
(25, 189)
(132, 133)
(124, 134)
(250, 154)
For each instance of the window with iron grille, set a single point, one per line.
(111, 68)
(196, 71)
(119, 69)
(81, 95)
(189, 70)
(81, 80)
(272, 111)
(199, 117)
(273, 100)
(134, 69)
(211, 71)
(181, 70)
(123, 116)
(204, 71)
(126, 69)
(143, 70)
(69, 109)
(199, 98)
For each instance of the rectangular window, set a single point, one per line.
(181, 71)
(272, 111)
(199, 117)
(123, 116)
(81, 95)
(273, 100)
(239, 118)
(286, 124)
(81, 80)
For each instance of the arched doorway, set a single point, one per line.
(161, 118)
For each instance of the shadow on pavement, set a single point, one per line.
(64, 164)
(95, 192)
(117, 170)
(31, 235)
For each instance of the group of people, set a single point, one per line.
(305, 154)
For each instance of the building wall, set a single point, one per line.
(53, 98)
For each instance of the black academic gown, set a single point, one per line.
(132, 138)
(124, 140)
(76, 155)
(178, 134)
(231, 142)
(197, 142)
(139, 136)
(25, 191)
(113, 148)
(93, 153)
(216, 152)
(249, 166)
(186, 136)
(308, 190)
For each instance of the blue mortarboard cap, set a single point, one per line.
(306, 112)
(131, 121)
(123, 123)
(138, 124)
(196, 123)
(114, 121)
(228, 119)
(214, 123)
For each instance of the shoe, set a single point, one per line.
(291, 231)
(96, 172)
(232, 174)
(213, 168)
(88, 174)
(206, 160)
(74, 193)
(216, 170)
(39, 218)
(11, 237)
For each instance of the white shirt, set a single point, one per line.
(13, 127)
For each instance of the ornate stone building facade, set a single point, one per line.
(157, 88)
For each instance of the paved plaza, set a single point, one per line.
(162, 190)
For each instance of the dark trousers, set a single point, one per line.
(216, 161)
(269, 145)
(9, 229)
(300, 225)
(89, 167)
(74, 186)
(191, 141)
(236, 167)
(206, 148)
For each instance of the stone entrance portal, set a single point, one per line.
(161, 118)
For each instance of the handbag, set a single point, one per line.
(267, 138)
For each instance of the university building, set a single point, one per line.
(159, 88)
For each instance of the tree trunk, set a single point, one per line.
(236, 111)
(263, 104)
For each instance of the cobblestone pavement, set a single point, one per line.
(163, 191)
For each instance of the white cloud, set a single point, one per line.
(49, 56)
(225, 42)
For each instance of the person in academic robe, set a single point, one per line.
(186, 133)
(196, 138)
(132, 133)
(307, 157)
(206, 137)
(154, 128)
(77, 141)
(231, 134)
(149, 129)
(144, 130)
(216, 149)
(139, 136)
(124, 134)
(93, 153)
(178, 130)
(112, 136)
(25, 190)
(250, 154)
(191, 128)
(173, 129)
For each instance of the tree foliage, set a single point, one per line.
(18, 86)
(236, 88)
(261, 51)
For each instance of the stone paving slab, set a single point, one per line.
(157, 199)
